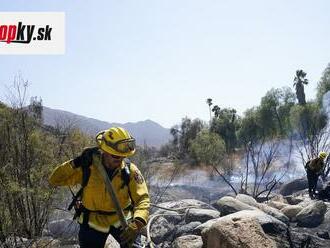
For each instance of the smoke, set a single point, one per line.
(326, 104)
(287, 165)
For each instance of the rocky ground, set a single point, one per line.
(220, 219)
(291, 221)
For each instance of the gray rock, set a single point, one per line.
(296, 185)
(184, 204)
(277, 205)
(273, 212)
(188, 241)
(294, 200)
(324, 194)
(268, 223)
(229, 205)
(201, 215)
(161, 230)
(249, 200)
(63, 228)
(291, 211)
(312, 215)
(198, 230)
(172, 217)
(303, 239)
(281, 240)
(279, 198)
(165, 244)
(293, 186)
(307, 201)
(326, 222)
(187, 228)
(232, 232)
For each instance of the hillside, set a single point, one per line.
(145, 132)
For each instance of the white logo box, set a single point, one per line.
(48, 36)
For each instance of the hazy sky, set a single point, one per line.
(160, 60)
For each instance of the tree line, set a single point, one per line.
(28, 152)
(283, 114)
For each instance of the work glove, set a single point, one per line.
(85, 158)
(128, 236)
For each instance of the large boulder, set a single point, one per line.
(188, 241)
(201, 215)
(268, 223)
(233, 232)
(291, 211)
(183, 205)
(229, 205)
(293, 186)
(312, 215)
(296, 185)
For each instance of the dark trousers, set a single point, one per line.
(312, 178)
(90, 238)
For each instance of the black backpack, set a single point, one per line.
(86, 171)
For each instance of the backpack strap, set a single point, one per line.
(126, 177)
(86, 172)
(126, 172)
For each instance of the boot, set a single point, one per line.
(311, 195)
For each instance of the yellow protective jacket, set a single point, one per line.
(96, 198)
(316, 165)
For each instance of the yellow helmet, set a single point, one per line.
(116, 141)
(322, 155)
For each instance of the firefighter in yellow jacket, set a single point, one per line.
(98, 216)
(314, 168)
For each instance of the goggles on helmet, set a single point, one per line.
(122, 146)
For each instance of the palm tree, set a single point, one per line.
(299, 81)
(209, 102)
(216, 110)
